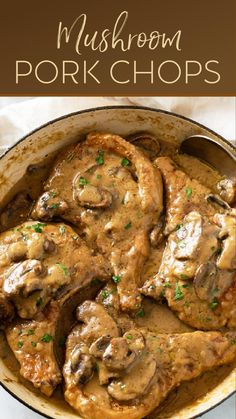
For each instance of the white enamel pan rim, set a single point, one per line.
(114, 107)
(104, 108)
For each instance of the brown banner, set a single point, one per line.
(107, 47)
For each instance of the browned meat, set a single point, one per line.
(32, 344)
(148, 143)
(6, 311)
(109, 298)
(41, 261)
(183, 195)
(97, 322)
(197, 273)
(114, 195)
(128, 376)
(202, 294)
(39, 344)
(227, 190)
(50, 205)
(16, 211)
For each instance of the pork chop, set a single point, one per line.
(197, 273)
(113, 193)
(110, 375)
(40, 262)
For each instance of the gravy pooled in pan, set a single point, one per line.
(118, 279)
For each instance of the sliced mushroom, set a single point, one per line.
(91, 196)
(118, 355)
(227, 190)
(104, 374)
(136, 382)
(98, 348)
(49, 246)
(7, 311)
(97, 322)
(227, 222)
(17, 251)
(211, 282)
(24, 278)
(135, 340)
(216, 199)
(147, 142)
(49, 206)
(204, 280)
(123, 351)
(156, 235)
(82, 364)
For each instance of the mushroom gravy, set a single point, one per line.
(140, 234)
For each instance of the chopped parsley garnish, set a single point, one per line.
(178, 293)
(96, 281)
(140, 313)
(100, 158)
(125, 162)
(30, 332)
(104, 294)
(129, 225)
(34, 344)
(167, 284)
(62, 229)
(63, 268)
(20, 344)
(233, 342)
(37, 227)
(130, 337)
(39, 302)
(83, 181)
(152, 287)
(214, 304)
(116, 278)
(53, 194)
(54, 206)
(178, 226)
(185, 285)
(188, 192)
(46, 338)
(98, 176)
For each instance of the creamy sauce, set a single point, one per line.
(158, 317)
